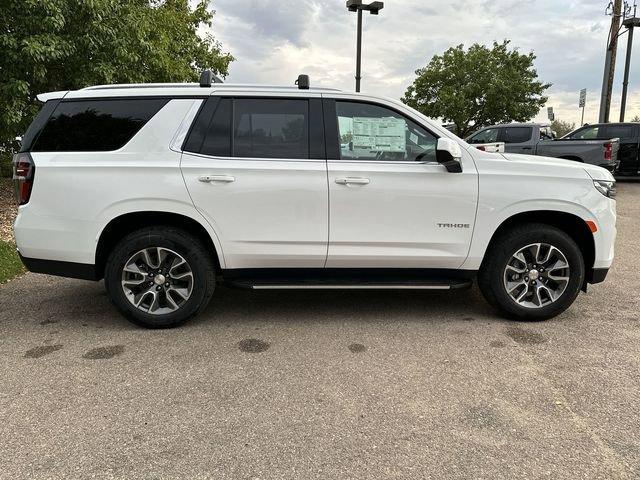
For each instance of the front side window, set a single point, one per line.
(517, 134)
(372, 132)
(271, 128)
(490, 135)
(95, 125)
(546, 133)
(588, 133)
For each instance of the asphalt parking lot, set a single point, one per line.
(324, 384)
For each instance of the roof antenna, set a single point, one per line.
(207, 78)
(303, 82)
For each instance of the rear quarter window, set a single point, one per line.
(95, 125)
(623, 132)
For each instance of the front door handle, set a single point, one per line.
(352, 181)
(217, 178)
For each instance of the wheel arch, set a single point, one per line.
(571, 224)
(126, 223)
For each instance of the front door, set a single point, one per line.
(256, 170)
(391, 204)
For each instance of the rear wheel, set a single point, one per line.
(533, 272)
(160, 277)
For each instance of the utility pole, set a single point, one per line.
(630, 23)
(357, 6)
(615, 7)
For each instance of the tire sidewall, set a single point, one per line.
(187, 247)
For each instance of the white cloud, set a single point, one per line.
(275, 40)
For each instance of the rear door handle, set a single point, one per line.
(352, 181)
(217, 178)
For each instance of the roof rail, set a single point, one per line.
(117, 86)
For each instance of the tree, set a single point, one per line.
(636, 118)
(50, 45)
(562, 128)
(478, 87)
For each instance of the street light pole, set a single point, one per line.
(358, 6)
(359, 51)
(630, 23)
(610, 60)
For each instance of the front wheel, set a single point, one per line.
(160, 277)
(533, 272)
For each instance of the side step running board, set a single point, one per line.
(321, 285)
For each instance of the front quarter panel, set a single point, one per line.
(511, 187)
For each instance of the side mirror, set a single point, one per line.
(449, 154)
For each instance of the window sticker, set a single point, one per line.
(379, 134)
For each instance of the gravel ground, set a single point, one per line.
(324, 384)
(8, 210)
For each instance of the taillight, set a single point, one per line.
(608, 152)
(23, 173)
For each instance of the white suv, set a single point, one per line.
(164, 190)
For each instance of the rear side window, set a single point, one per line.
(623, 132)
(271, 128)
(517, 134)
(258, 128)
(217, 142)
(95, 125)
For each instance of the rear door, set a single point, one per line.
(517, 139)
(391, 204)
(256, 169)
(628, 152)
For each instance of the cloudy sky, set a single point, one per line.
(275, 40)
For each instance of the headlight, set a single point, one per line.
(606, 187)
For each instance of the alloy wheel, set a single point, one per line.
(536, 275)
(157, 280)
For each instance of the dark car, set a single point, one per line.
(629, 135)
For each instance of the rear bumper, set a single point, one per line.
(82, 271)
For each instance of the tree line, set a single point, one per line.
(49, 45)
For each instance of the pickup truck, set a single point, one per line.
(629, 135)
(538, 139)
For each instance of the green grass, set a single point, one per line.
(5, 165)
(10, 264)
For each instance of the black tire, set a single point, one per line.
(189, 247)
(491, 274)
